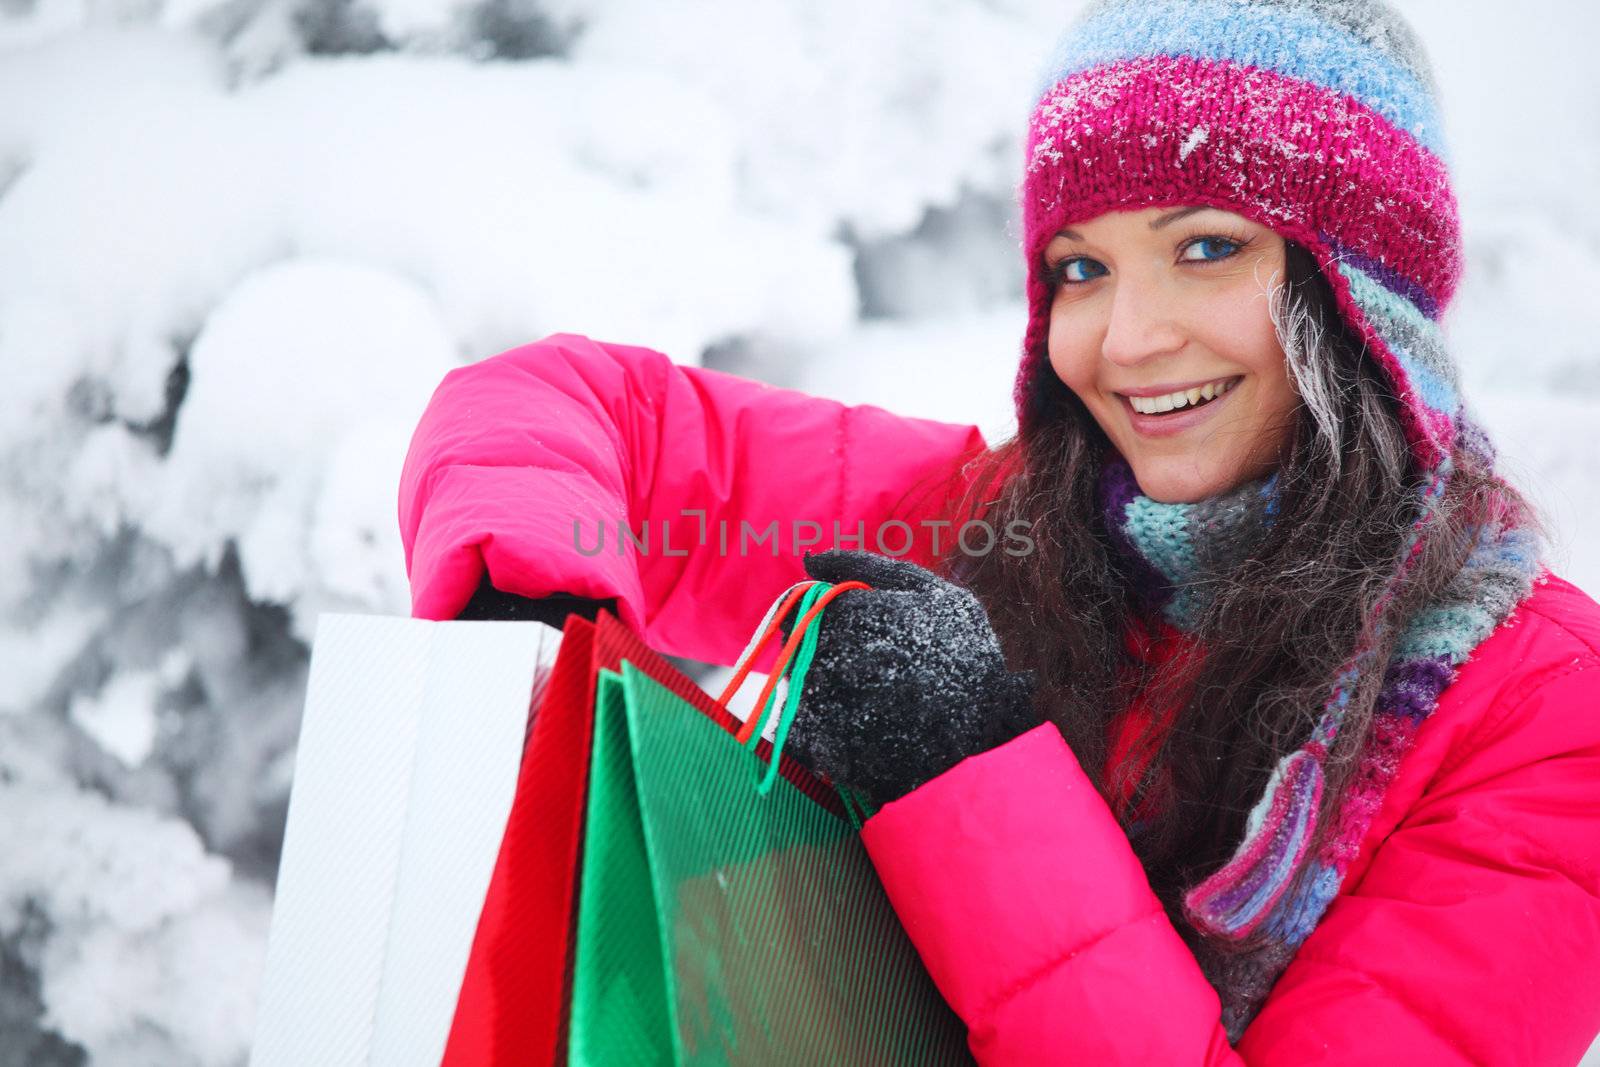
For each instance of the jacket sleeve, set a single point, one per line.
(530, 463)
(1473, 937)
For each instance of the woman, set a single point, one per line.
(1277, 741)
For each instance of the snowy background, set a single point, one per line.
(242, 241)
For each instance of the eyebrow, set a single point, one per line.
(1155, 224)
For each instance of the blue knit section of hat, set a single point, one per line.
(1380, 303)
(1293, 43)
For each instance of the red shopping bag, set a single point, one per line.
(512, 1007)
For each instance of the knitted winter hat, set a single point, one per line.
(1316, 118)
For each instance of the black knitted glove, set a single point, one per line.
(491, 603)
(906, 682)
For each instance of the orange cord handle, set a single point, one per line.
(753, 723)
(755, 650)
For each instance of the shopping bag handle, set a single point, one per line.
(856, 807)
(797, 666)
(764, 630)
(770, 625)
(795, 659)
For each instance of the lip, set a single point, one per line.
(1163, 390)
(1173, 423)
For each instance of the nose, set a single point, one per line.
(1142, 322)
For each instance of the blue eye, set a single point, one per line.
(1200, 242)
(1060, 273)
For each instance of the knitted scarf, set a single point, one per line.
(1273, 888)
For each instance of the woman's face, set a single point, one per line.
(1154, 302)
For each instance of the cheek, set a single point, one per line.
(1070, 351)
(1277, 398)
(1243, 321)
(1285, 402)
(1241, 326)
(1269, 361)
(1241, 330)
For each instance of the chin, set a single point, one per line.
(1179, 486)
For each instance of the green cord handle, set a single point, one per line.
(796, 670)
(864, 809)
(852, 806)
(807, 599)
(857, 808)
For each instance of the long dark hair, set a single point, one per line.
(1284, 617)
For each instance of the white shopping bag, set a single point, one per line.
(406, 768)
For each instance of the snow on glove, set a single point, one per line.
(906, 682)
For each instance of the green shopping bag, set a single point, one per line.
(725, 916)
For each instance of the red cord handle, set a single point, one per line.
(785, 655)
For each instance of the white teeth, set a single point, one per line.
(1152, 405)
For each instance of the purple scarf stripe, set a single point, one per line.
(1412, 687)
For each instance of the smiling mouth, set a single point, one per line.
(1233, 383)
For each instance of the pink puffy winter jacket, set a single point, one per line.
(1468, 930)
